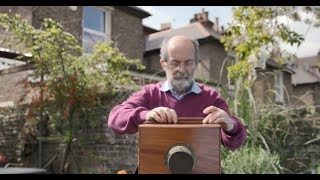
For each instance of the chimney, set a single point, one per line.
(165, 26)
(202, 17)
(216, 28)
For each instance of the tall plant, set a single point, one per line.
(69, 82)
(255, 35)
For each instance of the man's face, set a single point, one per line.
(180, 65)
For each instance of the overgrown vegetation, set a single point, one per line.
(251, 160)
(272, 144)
(69, 85)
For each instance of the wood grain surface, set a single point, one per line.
(156, 139)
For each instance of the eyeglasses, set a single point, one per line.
(176, 64)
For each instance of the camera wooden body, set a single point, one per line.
(199, 144)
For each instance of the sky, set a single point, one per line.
(180, 16)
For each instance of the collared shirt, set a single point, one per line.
(168, 87)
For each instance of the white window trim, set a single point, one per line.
(94, 31)
(279, 87)
(6, 63)
(107, 33)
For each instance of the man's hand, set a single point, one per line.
(218, 116)
(162, 115)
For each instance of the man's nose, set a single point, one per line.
(182, 67)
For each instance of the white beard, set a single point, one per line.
(181, 82)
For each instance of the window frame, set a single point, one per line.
(278, 84)
(107, 23)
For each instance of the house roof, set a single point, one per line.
(306, 70)
(10, 58)
(285, 67)
(195, 31)
(149, 29)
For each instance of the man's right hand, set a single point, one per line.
(162, 115)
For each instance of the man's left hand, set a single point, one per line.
(218, 116)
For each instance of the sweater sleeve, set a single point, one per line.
(125, 117)
(236, 137)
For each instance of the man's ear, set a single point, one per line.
(162, 63)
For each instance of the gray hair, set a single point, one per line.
(164, 49)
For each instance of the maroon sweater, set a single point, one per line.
(125, 118)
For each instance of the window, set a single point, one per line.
(96, 27)
(279, 86)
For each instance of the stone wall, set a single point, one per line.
(127, 32)
(98, 150)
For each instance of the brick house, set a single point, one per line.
(306, 80)
(273, 83)
(120, 24)
(293, 85)
(89, 24)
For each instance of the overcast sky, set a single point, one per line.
(180, 16)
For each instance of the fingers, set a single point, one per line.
(174, 116)
(169, 115)
(206, 119)
(163, 115)
(213, 116)
(217, 115)
(210, 109)
(153, 115)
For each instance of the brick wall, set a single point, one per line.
(127, 32)
(11, 123)
(299, 95)
(12, 88)
(215, 54)
(70, 20)
(97, 150)
(304, 94)
(24, 11)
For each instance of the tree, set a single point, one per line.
(255, 35)
(70, 82)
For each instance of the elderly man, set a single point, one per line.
(179, 96)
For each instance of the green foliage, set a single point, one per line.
(255, 36)
(71, 82)
(238, 70)
(251, 160)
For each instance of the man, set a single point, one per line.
(179, 96)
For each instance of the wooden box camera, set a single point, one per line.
(188, 147)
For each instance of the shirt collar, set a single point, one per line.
(194, 87)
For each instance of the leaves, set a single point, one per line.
(71, 82)
(255, 35)
(255, 29)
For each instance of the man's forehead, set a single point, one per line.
(180, 41)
